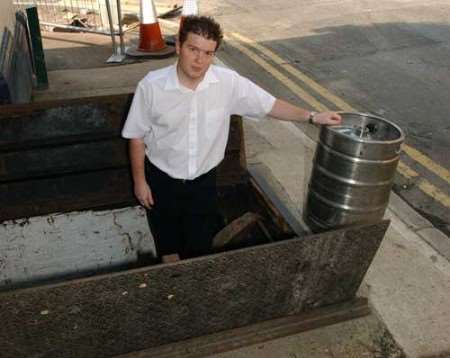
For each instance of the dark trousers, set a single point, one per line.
(184, 218)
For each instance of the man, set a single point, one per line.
(178, 128)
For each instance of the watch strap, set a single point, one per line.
(311, 117)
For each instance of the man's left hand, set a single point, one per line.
(327, 118)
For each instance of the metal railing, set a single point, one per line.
(92, 16)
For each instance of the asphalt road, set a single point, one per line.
(390, 58)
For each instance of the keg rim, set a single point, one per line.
(400, 139)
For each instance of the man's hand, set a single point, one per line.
(288, 112)
(327, 118)
(144, 194)
(142, 190)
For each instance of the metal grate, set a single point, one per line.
(96, 16)
(85, 14)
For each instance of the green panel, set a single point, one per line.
(38, 51)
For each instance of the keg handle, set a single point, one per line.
(365, 128)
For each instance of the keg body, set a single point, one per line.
(353, 172)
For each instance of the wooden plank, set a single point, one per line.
(62, 184)
(145, 308)
(170, 258)
(64, 159)
(91, 190)
(46, 146)
(275, 214)
(258, 333)
(233, 169)
(21, 128)
(230, 171)
(20, 110)
(51, 185)
(57, 122)
(233, 233)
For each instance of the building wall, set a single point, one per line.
(7, 24)
(16, 70)
(7, 18)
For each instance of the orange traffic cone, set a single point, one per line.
(151, 43)
(190, 7)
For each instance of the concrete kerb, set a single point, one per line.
(420, 226)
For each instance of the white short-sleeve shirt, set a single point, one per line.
(186, 131)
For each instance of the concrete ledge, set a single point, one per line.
(81, 83)
(410, 217)
(437, 240)
(421, 226)
(278, 195)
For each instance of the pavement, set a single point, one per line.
(408, 283)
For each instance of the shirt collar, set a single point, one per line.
(173, 83)
(210, 77)
(172, 79)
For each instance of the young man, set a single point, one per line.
(178, 128)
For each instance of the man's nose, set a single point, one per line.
(200, 56)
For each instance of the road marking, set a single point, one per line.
(234, 39)
(436, 193)
(424, 184)
(278, 75)
(416, 155)
(427, 163)
(406, 171)
(296, 73)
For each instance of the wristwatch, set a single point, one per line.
(311, 117)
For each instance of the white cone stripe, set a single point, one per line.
(189, 8)
(148, 12)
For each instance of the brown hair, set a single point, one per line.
(204, 26)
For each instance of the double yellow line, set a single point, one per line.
(244, 44)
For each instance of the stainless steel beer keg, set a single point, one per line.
(353, 172)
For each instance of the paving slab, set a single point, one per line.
(103, 81)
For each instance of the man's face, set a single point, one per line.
(195, 56)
